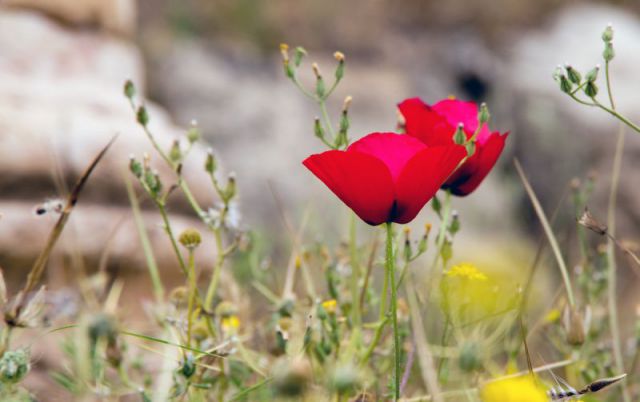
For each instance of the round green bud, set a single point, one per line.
(190, 238)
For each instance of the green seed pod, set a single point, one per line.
(459, 137)
(298, 56)
(607, 34)
(470, 357)
(317, 128)
(142, 116)
(592, 75)
(591, 90)
(188, 367)
(483, 114)
(175, 153)
(471, 148)
(135, 166)
(565, 84)
(193, 134)
(129, 89)
(339, 56)
(210, 163)
(573, 74)
(608, 54)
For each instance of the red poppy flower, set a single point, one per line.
(435, 125)
(386, 177)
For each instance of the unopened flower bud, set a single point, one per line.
(210, 163)
(188, 367)
(591, 89)
(407, 243)
(339, 56)
(284, 51)
(230, 191)
(454, 226)
(320, 87)
(471, 148)
(317, 128)
(565, 84)
(193, 134)
(592, 75)
(470, 359)
(483, 114)
(135, 166)
(298, 55)
(607, 34)
(573, 74)
(608, 54)
(142, 116)
(459, 137)
(190, 238)
(129, 89)
(152, 180)
(175, 153)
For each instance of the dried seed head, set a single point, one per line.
(574, 326)
(588, 221)
(14, 365)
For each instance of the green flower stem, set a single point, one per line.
(444, 223)
(611, 249)
(390, 271)
(174, 244)
(192, 295)
(217, 269)
(355, 272)
(154, 273)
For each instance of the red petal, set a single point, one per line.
(393, 149)
(359, 180)
(469, 176)
(457, 111)
(422, 177)
(424, 123)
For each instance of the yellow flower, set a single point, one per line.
(552, 316)
(330, 306)
(516, 389)
(230, 323)
(468, 271)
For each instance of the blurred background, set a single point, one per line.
(63, 64)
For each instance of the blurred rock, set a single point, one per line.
(557, 138)
(61, 101)
(117, 16)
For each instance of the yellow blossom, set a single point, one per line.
(552, 316)
(516, 389)
(230, 323)
(468, 271)
(330, 306)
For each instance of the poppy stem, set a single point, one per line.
(390, 268)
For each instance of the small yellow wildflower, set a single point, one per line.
(230, 323)
(516, 389)
(468, 271)
(330, 306)
(552, 316)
